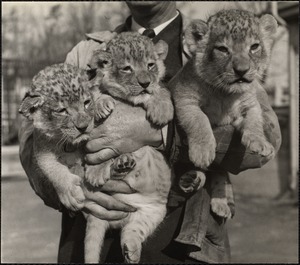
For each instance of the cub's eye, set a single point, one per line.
(126, 69)
(62, 111)
(222, 49)
(151, 65)
(87, 103)
(254, 48)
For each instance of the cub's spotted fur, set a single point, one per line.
(130, 68)
(218, 85)
(61, 110)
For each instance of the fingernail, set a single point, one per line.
(132, 209)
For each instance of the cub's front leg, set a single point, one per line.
(98, 175)
(201, 141)
(159, 107)
(253, 134)
(66, 184)
(104, 105)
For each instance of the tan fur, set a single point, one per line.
(59, 103)
(130, 68)
(218, 85)
(59, 106)
(151, 179)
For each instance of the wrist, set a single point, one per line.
(156, 139)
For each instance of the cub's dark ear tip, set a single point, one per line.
(197, 35)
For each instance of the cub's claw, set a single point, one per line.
(97, 175)
(191, 181)
(104, 106)
(160, 114)
(220, 207)
(71, 194)
(258, 145)
(122, 165)
(132, 252)
(202, 155)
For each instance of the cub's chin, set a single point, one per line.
(239, 86)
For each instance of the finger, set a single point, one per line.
(100, 156)
(96, 145)
(117, 186)
(102, 213)
(108, 202)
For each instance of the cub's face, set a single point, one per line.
(233, 48)
(135, 66)
(60, 105)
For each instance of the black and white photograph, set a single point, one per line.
(150, 132)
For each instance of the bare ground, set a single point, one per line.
(263, 231)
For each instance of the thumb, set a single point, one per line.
(100, 156)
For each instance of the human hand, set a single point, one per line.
(103, 205)
(124, 131)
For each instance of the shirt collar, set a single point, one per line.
(138, 28)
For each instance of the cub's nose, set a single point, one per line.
(81, 128)
(241, 71)
(82, 122)
(144, 84)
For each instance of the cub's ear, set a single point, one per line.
(194, 35)
(268, 26)
(30, 104)
(161, 48)
(101, 60)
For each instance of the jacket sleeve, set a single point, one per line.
(231, 155)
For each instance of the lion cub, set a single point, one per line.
(218, 85)
(129, 68)
(61, 108)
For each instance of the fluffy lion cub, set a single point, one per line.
(218, 86)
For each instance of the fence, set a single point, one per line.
(16, 78)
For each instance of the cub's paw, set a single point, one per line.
(220, 207)
(104, 106)
(191, 181)
(97, 175)
(258, 145)
(122, 166)
(160, 113)
(202, 155)
(132, 252)
(70, 193)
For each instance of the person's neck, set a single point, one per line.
(151, 19)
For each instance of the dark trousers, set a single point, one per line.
(159, 248)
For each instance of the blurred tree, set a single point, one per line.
(49, 35)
